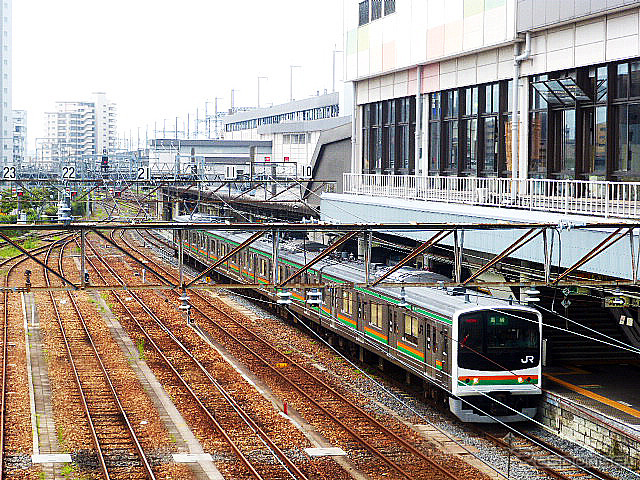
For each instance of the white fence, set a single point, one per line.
(604, 199)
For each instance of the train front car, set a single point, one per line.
(496, 370)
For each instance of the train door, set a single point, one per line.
(428, 349)
(363, 312)
(440, 350)
(394, 330)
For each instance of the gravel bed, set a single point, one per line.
(588, 457)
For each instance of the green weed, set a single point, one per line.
(140, 346)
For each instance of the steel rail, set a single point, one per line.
(530, 458)
(129, 426)
(235, 448)
(85, 406)
(243, 415)
(5, 335)
(290, 361)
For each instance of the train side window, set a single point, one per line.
(411, 328)
(434, 340)
(376, 315)
(428, 337)
(347, 302)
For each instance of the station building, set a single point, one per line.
(434, 85)
(293, 128)
(515, 105)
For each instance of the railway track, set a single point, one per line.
(549, 459)
(112, 432)
(391, 451)
(226, 415)
(552, 461)
(19, 259)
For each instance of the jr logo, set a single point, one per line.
(528, 359)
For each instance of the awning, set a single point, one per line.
(561, 91)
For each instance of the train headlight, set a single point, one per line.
(475, 381)
(520, 380)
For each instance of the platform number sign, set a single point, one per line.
(144, 174)
(69, 172)
(9, 172)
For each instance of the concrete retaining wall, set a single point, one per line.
(591, 429)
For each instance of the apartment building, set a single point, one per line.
(80, 131)
(19, 136)
(6, 116)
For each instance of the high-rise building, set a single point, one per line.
(77, 131)
(6, 120)
(19, 136)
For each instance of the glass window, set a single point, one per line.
(389, 6)
(492, 98)
(434, 147)
(452, 103)
(347, 302)
(634, 138)
(436, 108)
(411, 328)
(634, 79)
(497, 341)
(622, 81)
(622, 152)
(364, 12)
(376, 315)
(470, 127)
(405, 138)
(568, 141)
(490, 144)
(600, 155)
(602, 84)
(376, 9)
(451, 157)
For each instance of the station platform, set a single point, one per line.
(597, 406)
(613, 390)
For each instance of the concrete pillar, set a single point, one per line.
(407, 378)
(361, 353)
(175, 209)
(362, 248)
(381, 364)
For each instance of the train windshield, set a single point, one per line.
(498, 340)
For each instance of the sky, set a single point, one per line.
(158, 59)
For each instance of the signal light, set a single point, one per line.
(20, 193)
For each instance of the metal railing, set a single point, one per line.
(595, 198)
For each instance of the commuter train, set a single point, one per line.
(482, 354)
